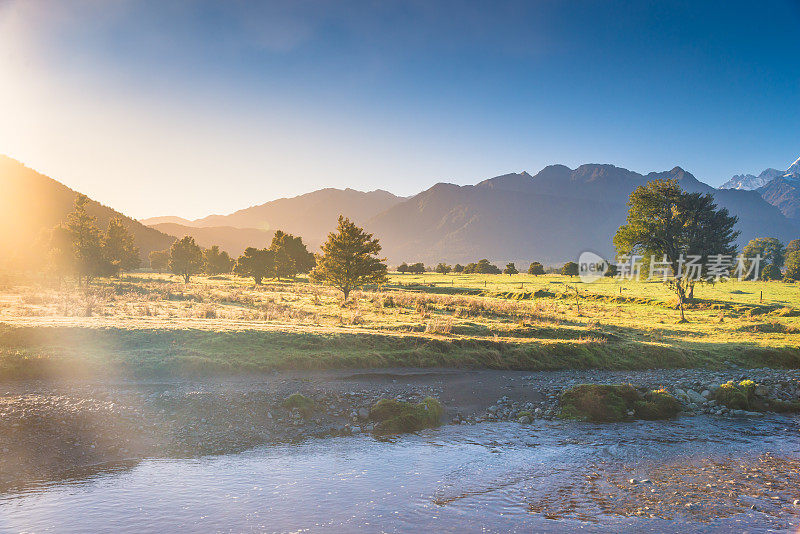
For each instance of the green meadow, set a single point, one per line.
(151, 324)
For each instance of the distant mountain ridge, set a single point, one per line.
(779, 188)
(549, 217)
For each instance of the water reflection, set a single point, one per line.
(553, 476)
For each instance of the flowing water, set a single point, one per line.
(500, 477)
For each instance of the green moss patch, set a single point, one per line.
(394, 417)
(657, 404)
(616, 402)
(742, 396)
(735, 396)
(299, 402)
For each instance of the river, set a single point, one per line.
(700, 473)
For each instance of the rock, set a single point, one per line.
(695, 397)
(761, 391)
(706, 393)
(524, 420)
(363, 413)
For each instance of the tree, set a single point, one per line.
(257, 263)
(350, 259)
(771, 272)
(443, 268)
(403, 268)
(60, 255)
(119, 248)
(570, 269)
(667, 222)
(87, 241)
(510, 269)
(793, 246)
(417, 268)
(769, 248)
(291, 256)
(458, 268)
(185, 258)
(159, 260)
(793, 265)
(482, 267)
(216, 261)
(536, 268)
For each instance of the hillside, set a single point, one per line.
(311, 216)
(550, 217)
(32, 202)
(779, 188)
(784, 194)
(230, 239)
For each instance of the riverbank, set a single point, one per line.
(101, 350)
(50, 427)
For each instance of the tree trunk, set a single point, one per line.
(681, 296)
(346, 294)
(186, 278)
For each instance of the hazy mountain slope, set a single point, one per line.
(311, 216)
(783, 193)
(169, 219)
(230, 239)
(550, 217)
(31, 202)
(307, 211)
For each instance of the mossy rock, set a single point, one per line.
(736, 396)
(598, 402)
(394, 417)
(299, 402)
(657, 404)
(609, 403)
(774, 405)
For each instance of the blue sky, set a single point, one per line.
(191, 108)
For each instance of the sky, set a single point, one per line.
(190, 108)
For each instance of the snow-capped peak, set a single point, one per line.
(794, 168)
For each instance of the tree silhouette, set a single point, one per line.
(119, 248)
(216, 261)
(256, 263)
(185, 258)
(291, 257)
(87, 241)
(536, 268)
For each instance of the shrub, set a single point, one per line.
(393, 416)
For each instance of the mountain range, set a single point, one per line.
(779, 188)
(549, 217)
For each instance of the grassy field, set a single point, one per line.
(154, 324)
